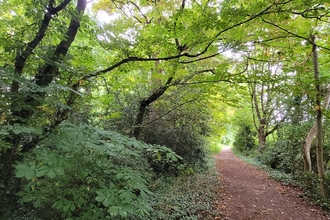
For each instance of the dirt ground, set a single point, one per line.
(249, 193)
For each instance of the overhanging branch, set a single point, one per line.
(296, 35)
(168, 112)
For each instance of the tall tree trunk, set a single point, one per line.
(306, 147)
(319, 146)
(261, 137)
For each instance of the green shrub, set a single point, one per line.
(285, 153)
(183, 141)
(83, 172)
(244, 139)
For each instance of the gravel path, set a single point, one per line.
(249, 194)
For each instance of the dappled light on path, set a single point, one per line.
(249, 194)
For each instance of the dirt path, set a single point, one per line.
(249, 194)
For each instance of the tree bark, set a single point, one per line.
(261, 138)
(261, 102)
(48, 72)
(319, 146)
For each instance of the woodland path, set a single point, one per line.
(249, 193)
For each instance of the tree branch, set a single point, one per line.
(50, 70)
(203, 58)
(55, 10)
(145, 103)
(296, 35)
(168, 112)
(239, 24)
(143, 15)
(24, 55)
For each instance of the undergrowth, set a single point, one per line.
(84, 172)
(185, 197)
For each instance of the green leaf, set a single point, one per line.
(37, 203)
(100, 196)
(17, 130)
(119, 176)
(59, 171)
(159, 156)
(58, 204)
(122, 213)
(26, 199)
(114, 210)
(73, 207)
(126, 196)
(106, 202)
(42, 171)
(51, 174)
(4, 133)
(30, 174)
(32, 130)
(67, 207)
(127, 207)
(144, 195)
(20, 173)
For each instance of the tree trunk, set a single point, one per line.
(306, 147)
(43, 78)
(319, 146)
(21, 58)
(145, 103)
(261, 139)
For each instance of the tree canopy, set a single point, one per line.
(92, 85)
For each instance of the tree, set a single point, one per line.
(319, 130)
(244, 139)
(268, 105)
(42, 79)
(60, 66)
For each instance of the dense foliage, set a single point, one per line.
(245, 139)
(102, 100)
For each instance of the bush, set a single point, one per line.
(182, 141)
(245, 139)
(214, 147)
(183, 131)
(88, 173)
(285, 153)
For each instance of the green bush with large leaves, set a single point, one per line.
(82, 172)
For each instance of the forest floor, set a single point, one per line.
(248, 193)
